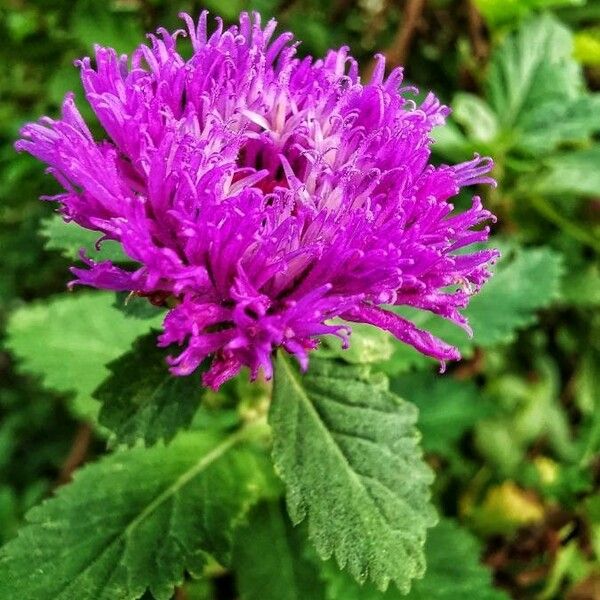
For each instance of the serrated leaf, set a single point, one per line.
(453, 572)
(447, 407)
(511, 299)
(135, 520)
(268, 560)
(142, 400)
(68, 340)
(271, 562)
(535, 104)
(565, 121)
(69, 239)
(347, 450)
(525, 281)
(533, 67)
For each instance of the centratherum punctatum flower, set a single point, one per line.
(264, 195)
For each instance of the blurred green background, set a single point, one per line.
(515, 433)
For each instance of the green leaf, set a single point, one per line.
(535, 103)
(528, 411)
(570, 173)
(368, 344)
(137, 307)
(552, 124)
(592, 510)
(347, 450)
(581, 285)
(70, 238)
(135, 520)
(447, 407)
(587, 381)
(268, 560)
(533, 67)
(587, 46)
(475, 115)
(499, 12)
(68, 340)
(450, 143)
(197, 589)
(271, 562)
(525, 281)
(453, 572)
(142, 400)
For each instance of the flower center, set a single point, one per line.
(260, 154)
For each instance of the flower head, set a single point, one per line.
(264, 194)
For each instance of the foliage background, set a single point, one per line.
(513, 432)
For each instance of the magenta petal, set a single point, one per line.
(405, 331)
(261, 195)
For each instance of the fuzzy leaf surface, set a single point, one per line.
(135, 520)
(453, 572)
(268, 559)
(142, 400)
(347, 450)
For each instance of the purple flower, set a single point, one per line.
(264, 195)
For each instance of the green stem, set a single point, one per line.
(569, 227)
(592, 441)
